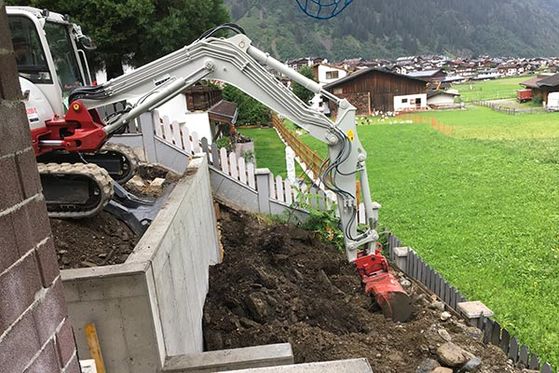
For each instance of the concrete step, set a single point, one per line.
(225, 360)
(338, 366)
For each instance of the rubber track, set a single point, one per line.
(99, 175)
(130, 156)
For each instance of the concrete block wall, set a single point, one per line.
(180, 254)
(35, 334)
(150, 307)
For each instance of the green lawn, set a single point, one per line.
(490, 89)
(270, 151)
(481, 207)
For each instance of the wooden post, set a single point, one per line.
(94, 346)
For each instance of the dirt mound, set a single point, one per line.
(279, 283)
(99, 240)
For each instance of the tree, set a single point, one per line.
(135, 32)
(250, 111)
(304, 94)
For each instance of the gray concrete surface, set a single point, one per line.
(225, 360)
(338, 366)
(150, 307)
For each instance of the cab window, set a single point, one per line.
(30, 57)
(64, 57)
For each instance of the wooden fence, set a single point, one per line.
(507, 110)
(414, 267)
(306, 155)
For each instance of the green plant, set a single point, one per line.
(304, 94)
(251, 112)
(224, 142)
(326, 224)
(537, 100)
(248, 156)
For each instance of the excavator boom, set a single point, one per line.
(236, 61)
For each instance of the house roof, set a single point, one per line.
(366, 71)
(542, 81)
(330, 65)
(424, 73)
(532, 83)
(552, 81)
(225, 111)
(440, 92)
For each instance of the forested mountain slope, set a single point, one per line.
(391, 28)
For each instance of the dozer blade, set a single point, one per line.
(383, 286)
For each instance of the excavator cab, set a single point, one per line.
(47, 55)
(79, 175)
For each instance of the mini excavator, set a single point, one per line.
(76, 186)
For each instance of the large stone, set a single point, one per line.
(452, 355)
(427, 366)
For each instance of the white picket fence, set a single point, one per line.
(238, 168)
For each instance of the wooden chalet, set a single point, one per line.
(374, 89)
(542, 86)
(201, 97)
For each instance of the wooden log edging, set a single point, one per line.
(414, 266)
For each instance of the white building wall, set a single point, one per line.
(410, 102)
(441, 100)
(323, 71)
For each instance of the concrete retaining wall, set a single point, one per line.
(150, 307)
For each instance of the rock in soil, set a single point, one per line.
(427, 366)
(452, 355)
(442, 370)
(279, 283)
(472, 365)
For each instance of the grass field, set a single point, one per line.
(481, 207)
(269, 150)
(490, 89)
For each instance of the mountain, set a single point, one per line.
(392, 28)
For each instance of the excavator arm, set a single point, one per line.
(236, 61)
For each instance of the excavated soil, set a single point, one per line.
(279, 283)
(104, 239)
(96, 241)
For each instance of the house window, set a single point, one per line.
(338, 91)
(404, 101)
(332, 74)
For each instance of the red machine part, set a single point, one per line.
(380, 283)
(79, 131)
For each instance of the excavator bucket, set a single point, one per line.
(383, 286)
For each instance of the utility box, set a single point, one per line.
(524, 95)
